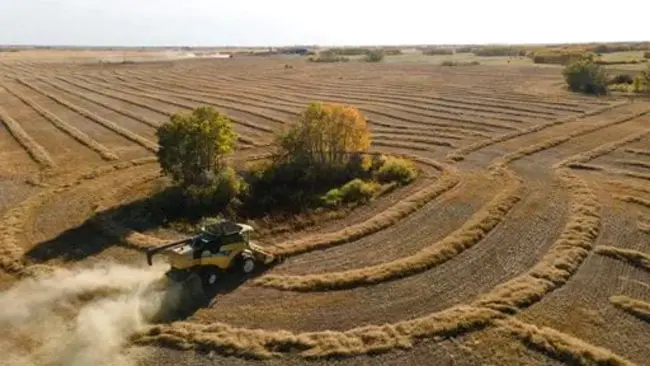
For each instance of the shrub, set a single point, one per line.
(492, 51)
(358, 191)
(584, 76)
(328, 56)
(459, 63)
(437, 51)
(354, 191)
(374, 56)
(646, 54)
(396, 170)
(193, 145)
(621, 79)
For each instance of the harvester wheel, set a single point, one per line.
(247, 264)
(210, 276)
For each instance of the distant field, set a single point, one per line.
(538, 254)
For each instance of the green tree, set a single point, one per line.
(375, 55)
(193, 146)
(583, 75)
(325, 134)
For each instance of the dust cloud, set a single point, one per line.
(80, 317)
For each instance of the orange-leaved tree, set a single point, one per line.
(325, 134)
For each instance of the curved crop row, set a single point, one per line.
(387, 218)
(86, 140)
(563, 258)
(638, 151)
(462, 152)
(559, 345)
(636, 163)
(452, 131)
(33, 148)
(634, 199)
(555, 268)
(261, 344)
(468, 235)
(638, 308)
(149, 145)
(632, 257)
(601, 150)
(555, 141)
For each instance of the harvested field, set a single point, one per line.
(525, 240)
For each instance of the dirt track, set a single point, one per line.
(496, 259)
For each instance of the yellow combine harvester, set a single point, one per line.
(217, 248)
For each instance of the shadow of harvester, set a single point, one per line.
(179, 299)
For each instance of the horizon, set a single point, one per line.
(285, 23)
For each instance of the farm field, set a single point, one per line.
(527, 240)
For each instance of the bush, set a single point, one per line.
(354, 191)
(585, 76)
(621, 79)
(560, 57)
(459, 63)
(396, 170)
(374, 56)
(328, 56)
(193, 145)
(646, 54)
(437, 51)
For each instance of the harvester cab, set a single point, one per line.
(216, 248)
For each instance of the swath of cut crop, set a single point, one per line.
(149, 145)
(632, 257)
(607, 148)
(35, 150)
(563, 258)
(636, 163)
(559, 345)
(638, 308)
(111, 107)
(638, 151)
(84, 139)
(263, 344)
(405, 207)
(555, 141)
(634, 199)
(460, 154)
(418, 139)
(472, 232)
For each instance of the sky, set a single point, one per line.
(327, 22)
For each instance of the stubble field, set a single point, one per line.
(526, 241)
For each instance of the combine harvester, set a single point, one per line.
(199, 261)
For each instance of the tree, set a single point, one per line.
(193, 146)
(583, 75)
(325, 134)
(375, 55)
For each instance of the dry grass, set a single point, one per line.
(473, 231)
(632, 257)
(460, 154)
(102, 150)
(35, 150)
(389, 217)
(638, 308)
(149, 145)
(560, 346)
